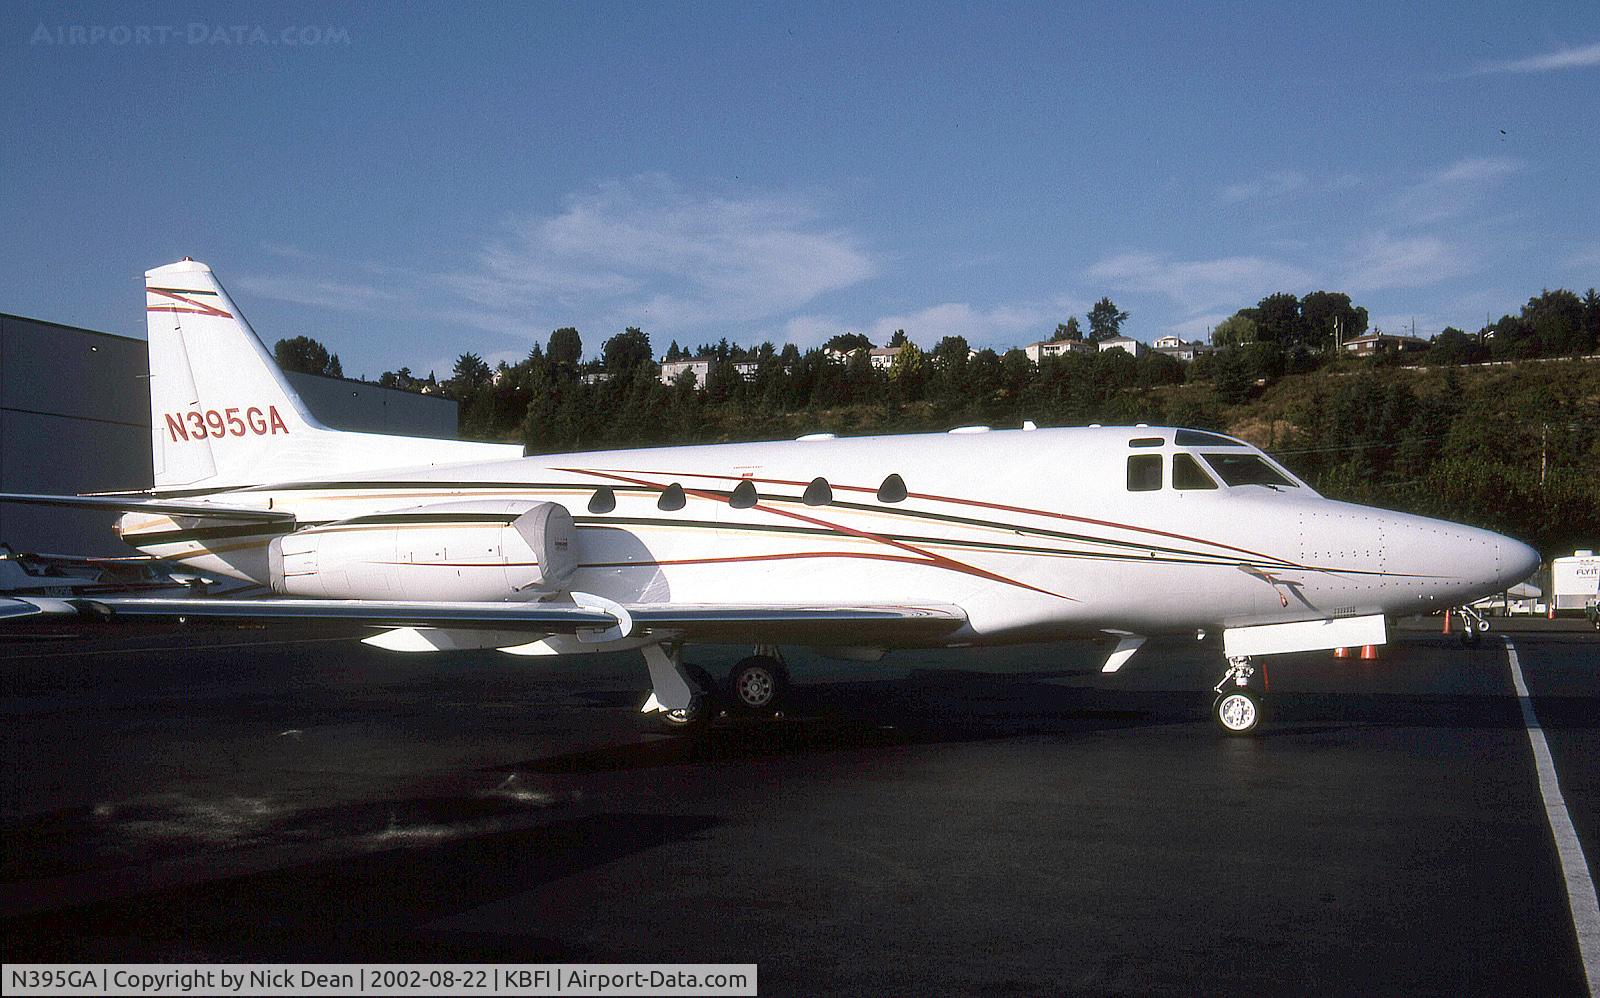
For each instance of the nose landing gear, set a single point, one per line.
(1237, 709)
(1474, 626)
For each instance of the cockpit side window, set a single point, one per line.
(1187, 474)
(1144, 473)
(1246, 469)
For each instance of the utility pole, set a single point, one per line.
(1544, 441)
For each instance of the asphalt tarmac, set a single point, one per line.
(996, 822)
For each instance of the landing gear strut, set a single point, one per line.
(1474, 626)
(1237, 710)
(681, 692)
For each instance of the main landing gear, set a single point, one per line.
(1237, 709)
(689, 698)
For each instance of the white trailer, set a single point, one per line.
(1574, 580)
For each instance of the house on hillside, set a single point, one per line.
(1375, 343)
(1179, 348)
(1056, 348)
(670, 370)
(701, 366)
(882, 357)
(1127, 344)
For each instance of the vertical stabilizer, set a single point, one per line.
(223, 415)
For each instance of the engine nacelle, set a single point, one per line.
(469, 551)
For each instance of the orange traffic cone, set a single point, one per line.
(1446, 623)
(1369, 653)
(1341, 653)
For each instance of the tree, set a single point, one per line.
(899, 339)
(1326, 313)
(1278, 320)
(1232, 373)
(1236, 330)
(846, 342)
(1453, 347)
(307, 356)
(951, 353)
(566, 347)
(627, 350)
(1069, 330)
(905, 372)
(471, 373)
(674, 352)
(1557, 321)
(1105, 320)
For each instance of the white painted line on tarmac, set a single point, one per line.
(1574, 867)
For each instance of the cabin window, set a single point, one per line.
(743, 495)
(672, 498)
(1144, 473)
(1187, 474)
(818, 493)
(1146, 442)
(1199, 438)
(603, 501)
(893, 489)
(1246, 469)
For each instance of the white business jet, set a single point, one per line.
(851, 546)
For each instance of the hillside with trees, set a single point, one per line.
(1500, 427)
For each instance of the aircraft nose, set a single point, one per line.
(1514, 561)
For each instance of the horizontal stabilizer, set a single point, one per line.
(131, 504)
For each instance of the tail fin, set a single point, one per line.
(223, 415)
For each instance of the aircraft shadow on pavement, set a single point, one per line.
(944, 706)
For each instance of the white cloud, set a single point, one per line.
(1282, 183)
(1568, 58)
(1199, 285)
(287, 251)
(1381, 261)
(1453, 190)
(647, 252)
(1199, 327)
(1268, 186)
(1587, 261)
(317, 292)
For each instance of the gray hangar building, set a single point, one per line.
(75, 418)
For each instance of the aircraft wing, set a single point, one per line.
(134, 504)
(592, 617)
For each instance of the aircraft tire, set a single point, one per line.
(758, 685)
(688, 719)
(1237, 712)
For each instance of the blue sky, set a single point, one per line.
(410, 183)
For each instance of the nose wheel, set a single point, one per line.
(1237, 709)
(1474, 626)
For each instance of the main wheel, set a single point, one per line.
(1237, 712)
(758, 684)
(690, 718)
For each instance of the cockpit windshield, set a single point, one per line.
(1247, 469)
